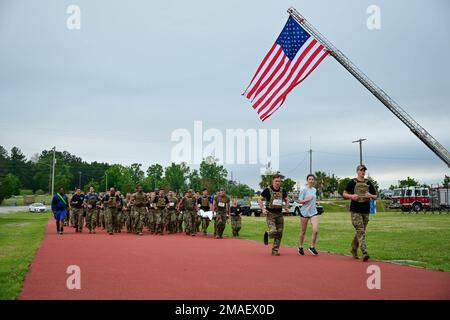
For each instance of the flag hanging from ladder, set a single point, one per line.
(291, 59)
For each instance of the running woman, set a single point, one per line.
(308, 213)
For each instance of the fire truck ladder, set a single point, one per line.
(420, 132)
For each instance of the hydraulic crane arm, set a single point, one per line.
(420, 132)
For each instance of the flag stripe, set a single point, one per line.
(294, 68)
(323, 56)
(261, 65)
(271, 63)
(283, 94)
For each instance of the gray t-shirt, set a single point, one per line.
(308, 209)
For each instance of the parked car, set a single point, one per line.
(245, 208)
(255, 209)
(37, 207)
(294, 208)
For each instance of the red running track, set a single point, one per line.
(127, 266)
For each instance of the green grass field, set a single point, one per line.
(412, 239)
(20, 236)
(19, 200)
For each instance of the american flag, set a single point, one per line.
(293, 56)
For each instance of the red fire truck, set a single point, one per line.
(420, 198)
(411, 198)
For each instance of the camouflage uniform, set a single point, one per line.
(222, 213)
(77, 213)
(236, 223)
(151, 218)
(275, 218)
(190, 215)
(91, 201)
(160, 214)
(111, 213)
(360, 220)
(139, 200)
(118, 221)
(172, 223)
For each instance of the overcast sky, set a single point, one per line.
(116, 89)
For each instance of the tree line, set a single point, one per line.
(34, 174)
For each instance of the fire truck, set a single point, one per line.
(420, 198)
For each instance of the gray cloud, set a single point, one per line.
(136, 72)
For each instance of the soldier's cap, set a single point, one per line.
(190, 190)
(361, 166)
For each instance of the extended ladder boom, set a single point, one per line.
(420, 132)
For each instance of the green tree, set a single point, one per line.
(91, 183)
(154, 177)
(11, 184)
(446, 181)
(63, 178)
(288, 184)
(408, 182)
(4, 162)
(195, 182)
(175, 176)
(213, 174)
(136, 173)
(120, 178)
(343, 182)
(239, 190)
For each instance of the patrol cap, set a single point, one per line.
(361, 166)
(190, 190)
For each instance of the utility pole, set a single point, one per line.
(53, 171)
(310, 156)
(360, 149)
(106, 182)
(79, 179)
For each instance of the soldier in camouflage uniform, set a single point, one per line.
(118, 221)
(236, 220)
(139, 202)
(203, 204)
(111, 202)
(91, 202)
(181, 215)
(222, 208)
(190, 211)
(172, 223)
(128, 214)
(161, 202)
(360, 191)
(76, 204)
(102, 214)
(273, 210)
(151, 216)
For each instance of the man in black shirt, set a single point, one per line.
(76, 204)
(360, 191)
(203, 204)
(272, 209)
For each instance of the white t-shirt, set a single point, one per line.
(308, 209)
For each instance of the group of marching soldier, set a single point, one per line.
(158, 212)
